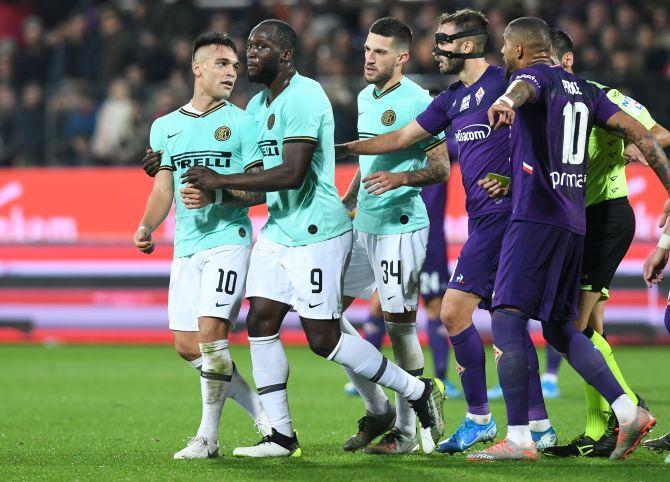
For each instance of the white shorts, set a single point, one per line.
(308, 278)
(208, 283)
(391, 263)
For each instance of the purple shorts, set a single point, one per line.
(435, 271)
(475, 270)
(539, 271)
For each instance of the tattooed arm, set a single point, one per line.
(195, 198)
(518, 93)
(436, 170)
(350, 198)
(632, 131)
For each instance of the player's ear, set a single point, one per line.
(195, 68)
(287, 56)
(568, 60)
(518, 50)
(467, 46)
(403, 58)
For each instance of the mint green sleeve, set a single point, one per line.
(157, 142)
(302, 117)
(633, 108)
(251, 153)
(419, 106)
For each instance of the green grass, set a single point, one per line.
(119, 413)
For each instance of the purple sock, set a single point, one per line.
(536, 408)
(667, 318)
(375, 329)
(439, 347)
(509, 337)
(553, 360)
(584, 357)
(469, 354)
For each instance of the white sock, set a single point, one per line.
(376, 402)
(409, 356)
(520, 435)
(364, 359)
(245, 396)
(215, 376)
(539, 425)
(197, 363)
(270, 375)
(624, 409)
(479, 419)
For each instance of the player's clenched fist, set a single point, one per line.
(152, 161)
(142, 240)
(195, 198)
(201, 178)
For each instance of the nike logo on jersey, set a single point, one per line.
(170, 136)
(390, 297)
(219, 305)
(360, 114)
(314, 306)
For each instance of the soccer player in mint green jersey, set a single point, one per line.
(390, 228)
(610, 227)
(299, 259)
(212, 244)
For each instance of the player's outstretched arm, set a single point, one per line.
(389, 142)
(502, 112)
(196, 199)
(652, 271)
(661, 134)
(631, 130)
(437, 170)
(350, 198)
(290, 174)
(157, 208)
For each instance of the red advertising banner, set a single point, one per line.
(104, 205)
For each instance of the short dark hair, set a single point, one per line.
(467, 19)
(561, 42)
(213, 38)
(533, 29)
(286, 36)
(394, 28)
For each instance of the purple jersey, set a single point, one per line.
(549, 146)
(481, 150)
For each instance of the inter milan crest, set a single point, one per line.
(388, 117)
(271, 121)
(222, 133)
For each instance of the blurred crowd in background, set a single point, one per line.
(81, 81)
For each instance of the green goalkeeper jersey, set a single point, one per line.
(606, 175)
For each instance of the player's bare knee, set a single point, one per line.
(212, 329)
(453, 318)
(187, 352)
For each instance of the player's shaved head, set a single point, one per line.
(281, 32)
(532, 32)
(198, 53)
(527, 41)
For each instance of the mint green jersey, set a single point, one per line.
(313, 212)
(401, 210)
(606, 175)
(224, 139)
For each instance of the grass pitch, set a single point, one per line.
(119, 413)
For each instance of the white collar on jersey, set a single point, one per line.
(189, 108)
